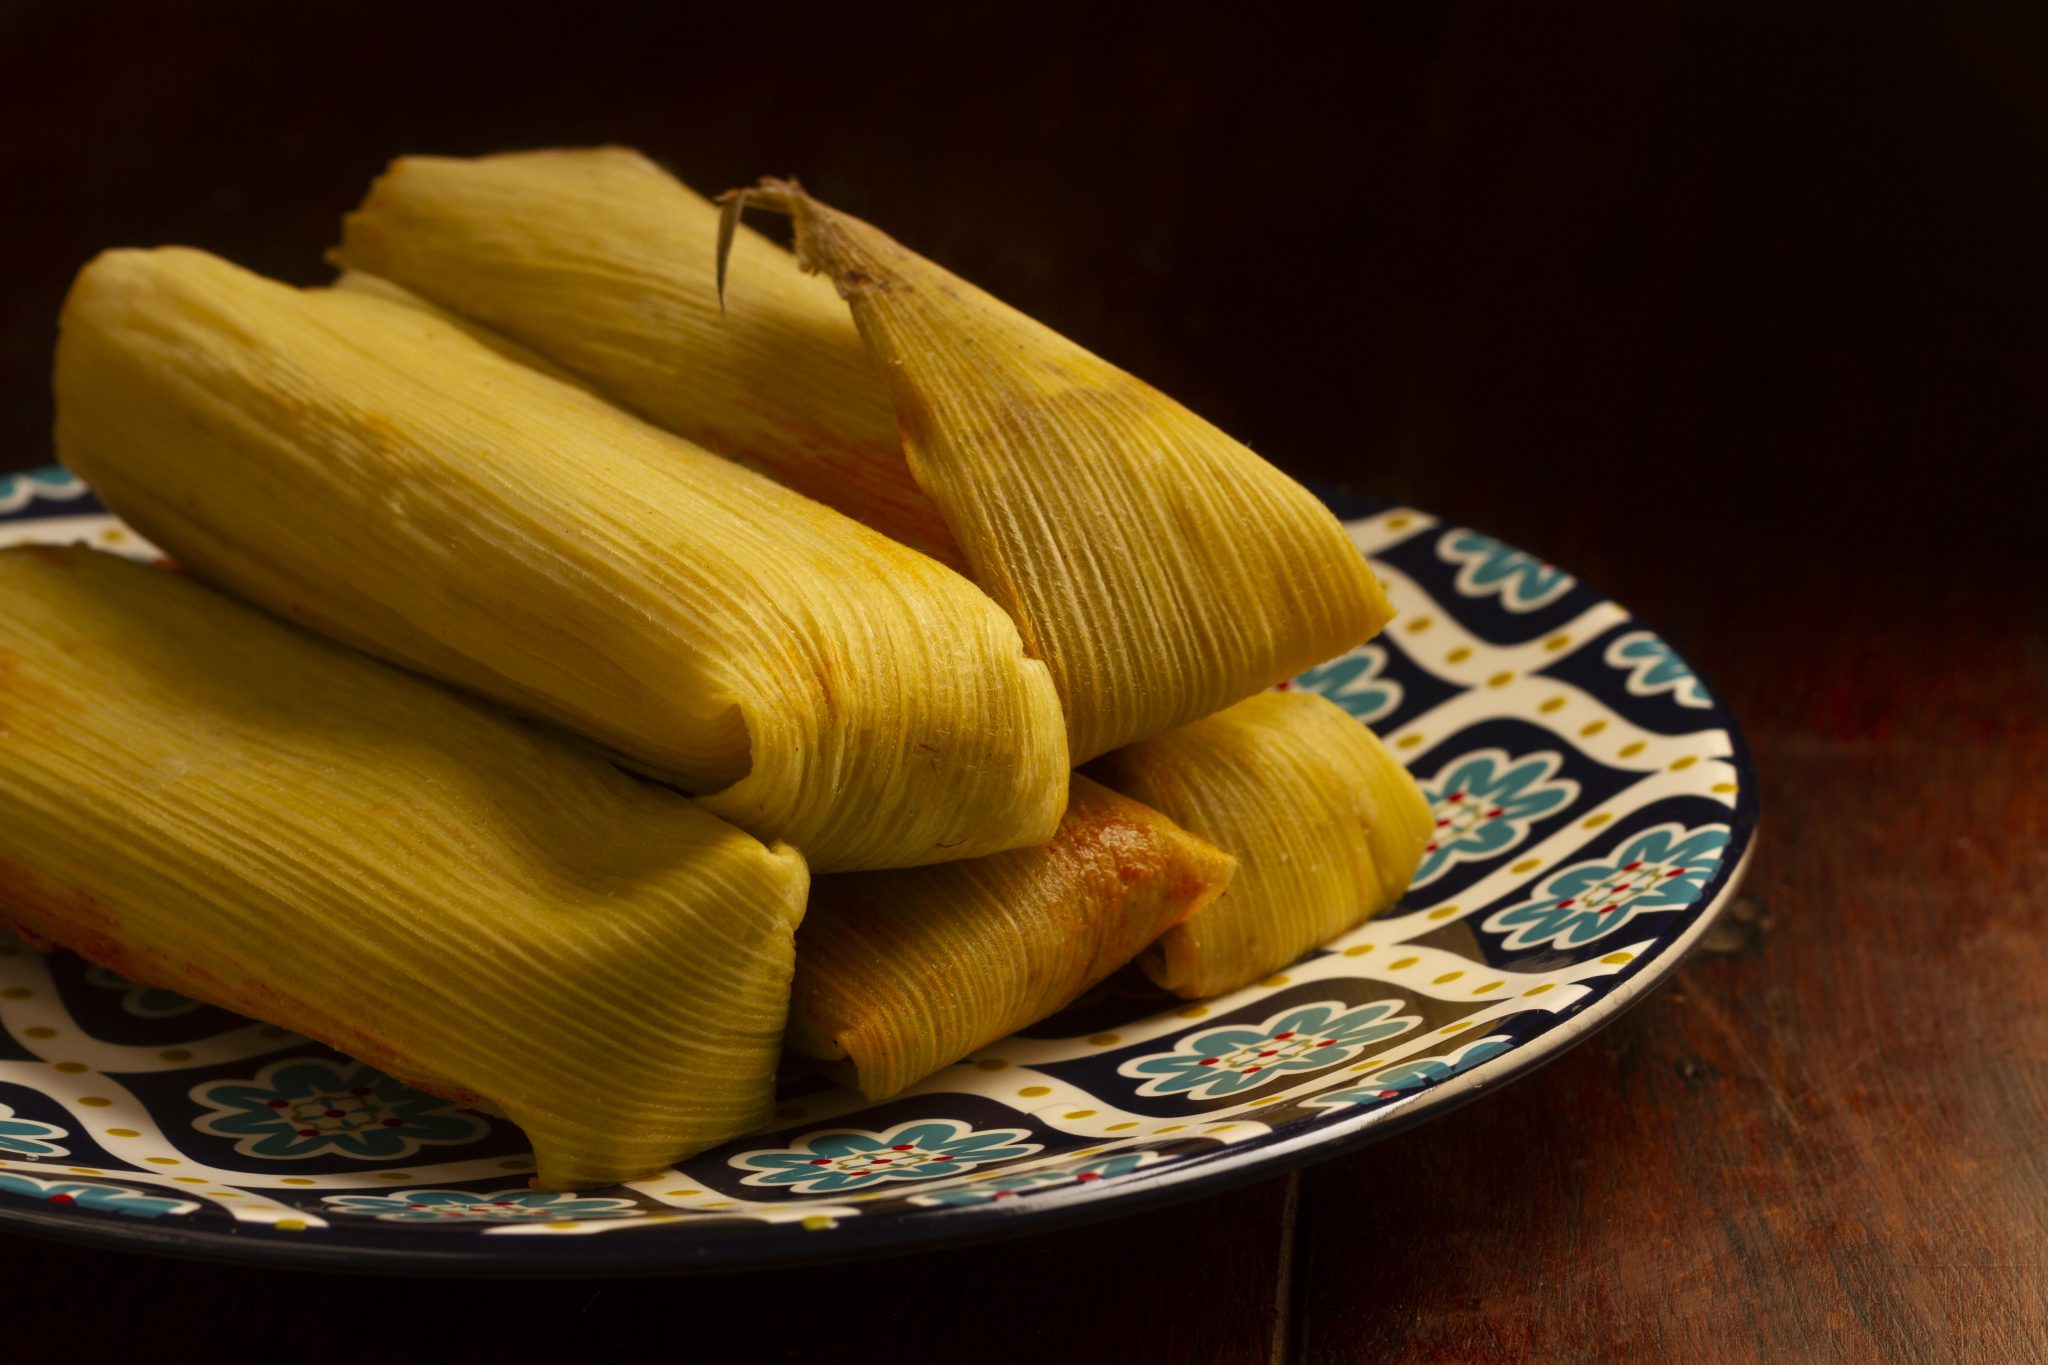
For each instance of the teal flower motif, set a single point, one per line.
(1403, 1077)
(1489, 568)
(306, 1107)
(147, 1002)
(26, 1137)
(1237, 1057)
(1654, 667)
(851, 1159)
(1659, 870)
(1354, 681)
(1001, 1187)
(91, 1194)
(16, 490)
(1484, 803)
(463, 1206)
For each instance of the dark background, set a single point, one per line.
(1736, 309)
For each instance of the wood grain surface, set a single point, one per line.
(1736, 309)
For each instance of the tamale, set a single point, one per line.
(365, 468)
(902, 973)
(208, 800)
(1326, 825)
(1160, 568)
(603, 262)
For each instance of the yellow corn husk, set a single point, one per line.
(363, 467)
(1161, 569)
(204, 799)
(355, 281)
(1326, 825)
(603, 262)
(902, 973)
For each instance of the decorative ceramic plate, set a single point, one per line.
(1594, 808)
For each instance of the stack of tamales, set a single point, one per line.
(571, 475)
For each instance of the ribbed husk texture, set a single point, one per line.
(366, 468)
(208, 800)
(604, 263)
(903, 973)
(1159, 567)
(1326, 825)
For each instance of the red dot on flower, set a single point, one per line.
(334, 1114)
(63, 1199)
(942, 1158)
(1210, 1061)
(1004, 1194)
(1089, 1175)
(308, 1132)
(1612, 905)
(1495, 813)
(1633, 866)
(1455, 796)
(1441, 823)
(1430, 849)
(901, 1147)
(502, 1203)
(1248, 1071)
(1269, 1052)
(819, 1161)
(883, 1160)
(278, 1104)
(1566, 905)
(393, 1123)
(360, 1091)
(1676, 872)
(1388, 1094)
(415, 1206)
(1284, 1036)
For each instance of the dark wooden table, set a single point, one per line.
(1738, 310)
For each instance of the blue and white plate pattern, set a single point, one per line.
(1594, 807)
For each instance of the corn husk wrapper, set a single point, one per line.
(363, 467)
(604, 263)
(1160, 568)
(355, 281)
(207, 800)
(1326, 825)
(902, 973)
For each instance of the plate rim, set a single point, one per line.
(773, 1245)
